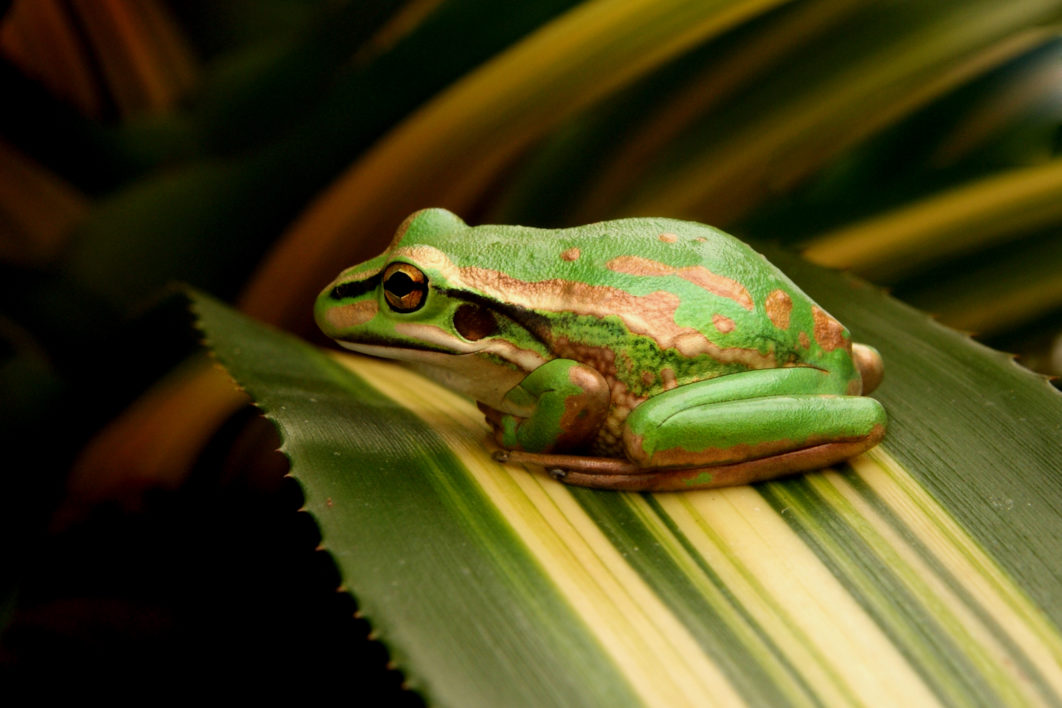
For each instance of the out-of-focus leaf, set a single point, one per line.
(124, 55)
(260, 92)
(971, 216)
(27, 28)
(1004, 288)
(153, 443)
(449, 152)
(1001, 119)
(839, 91)
(37, 210)
(1014, 119)
(206, 222)
(579, 173)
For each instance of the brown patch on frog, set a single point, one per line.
(717, 285)
(348, 316)
(805, 341)
(572, 254)
(651, 315)
(668, 238)
(666, 377)
(424, 257)
(698, 275)
(636, 265)
(601, 359)
(584, 414)
(609, 440)
(723, 323)
(829, 333)
(779, 306)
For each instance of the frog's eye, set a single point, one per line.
(405, 287)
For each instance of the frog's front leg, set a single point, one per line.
(559, 406)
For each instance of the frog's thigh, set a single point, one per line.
(748, 416)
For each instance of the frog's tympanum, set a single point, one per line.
(641, 354)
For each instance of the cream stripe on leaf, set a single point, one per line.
(657, 655)
(914, 623)
(984, 647)
(1024, 643)
(743, 650)
(784, 585)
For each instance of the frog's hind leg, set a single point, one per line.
(744, 427)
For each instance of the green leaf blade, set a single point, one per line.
(895, 579)
(429, 561)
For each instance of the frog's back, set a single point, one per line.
(707, 301)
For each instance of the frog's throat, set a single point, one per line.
(433, 344)
(470, 373)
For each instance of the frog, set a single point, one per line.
(638, 354)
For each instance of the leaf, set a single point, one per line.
(37, 210)
(891, 60)
(924, 571)
(120, 55)
(1000, 290)
(154, 442)
(957, 221)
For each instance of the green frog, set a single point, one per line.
(642, 354)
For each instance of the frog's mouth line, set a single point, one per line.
(423, 352)
(389, 349)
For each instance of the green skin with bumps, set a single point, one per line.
(642, 354)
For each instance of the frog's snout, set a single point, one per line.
(870, 365)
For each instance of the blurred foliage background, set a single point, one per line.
(253, 149)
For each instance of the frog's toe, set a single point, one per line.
(710, 477)
(870, 364)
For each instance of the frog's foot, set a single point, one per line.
(618, 474)
(871, 367)
(559, 466)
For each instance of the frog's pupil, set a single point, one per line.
(405, 288)
(400, 284)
